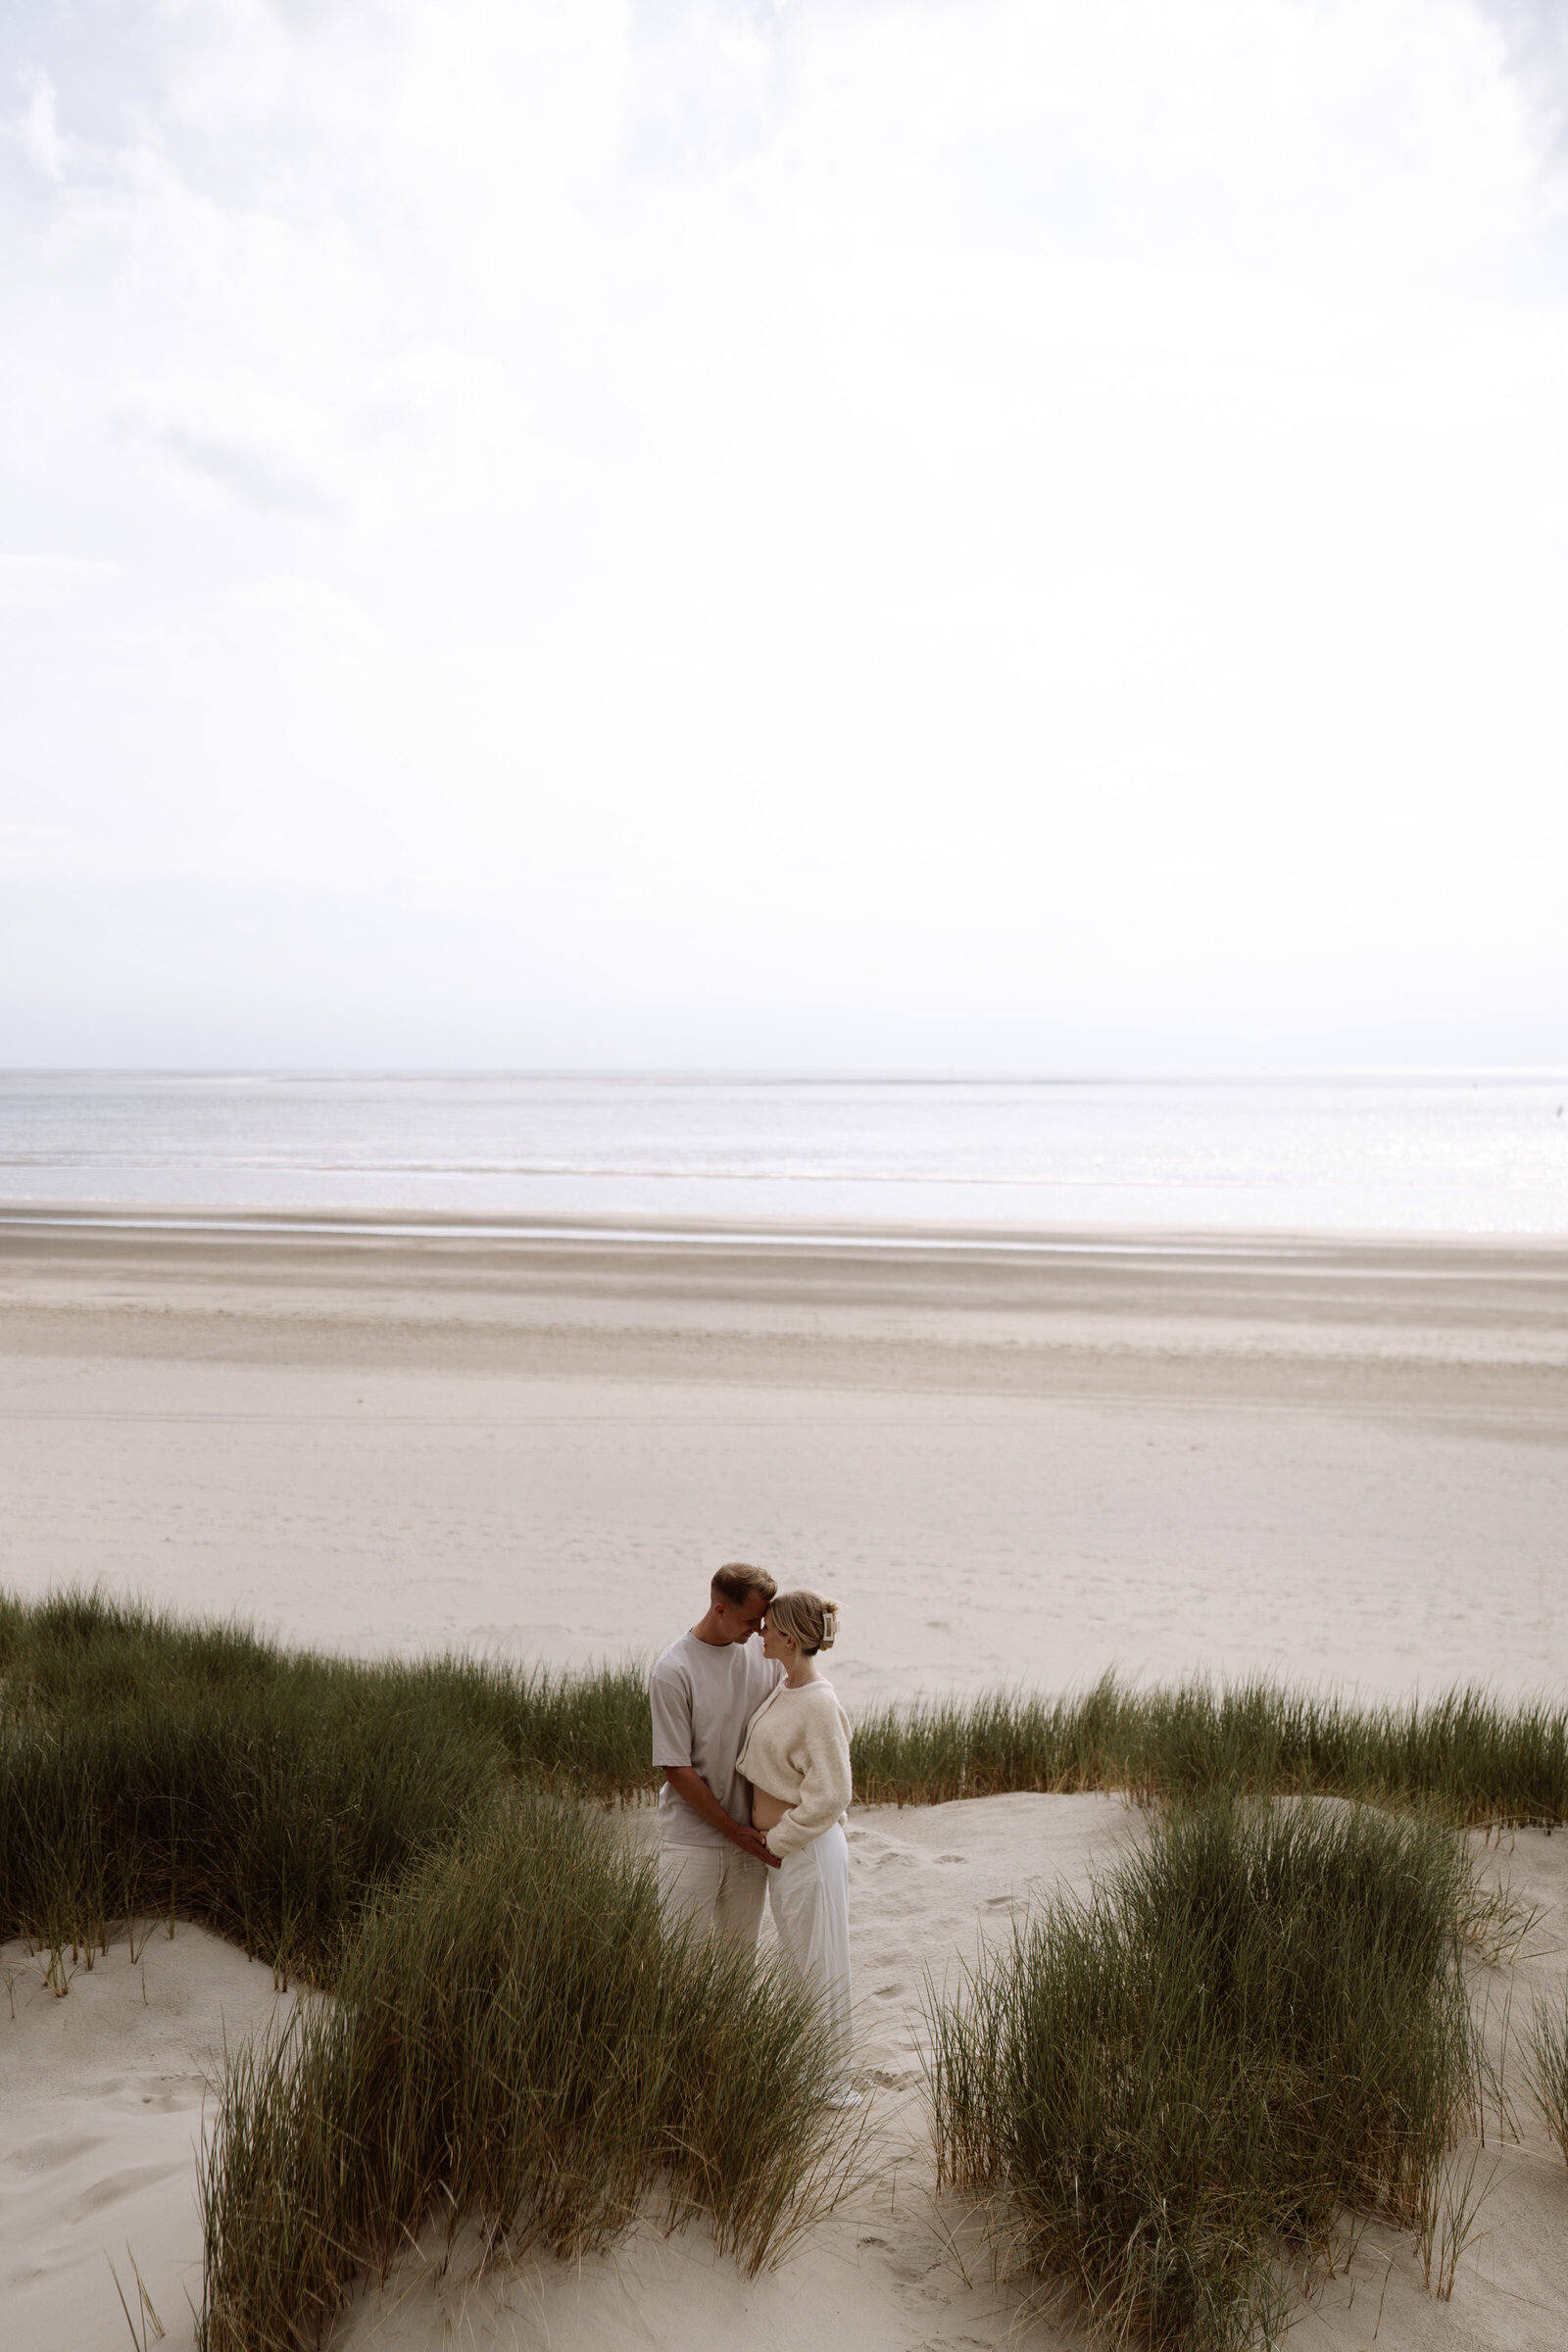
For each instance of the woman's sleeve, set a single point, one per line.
(825, 1784)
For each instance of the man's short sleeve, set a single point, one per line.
(671, 1700)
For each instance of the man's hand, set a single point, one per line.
(690, 1786)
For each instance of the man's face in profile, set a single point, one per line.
(739, 1620)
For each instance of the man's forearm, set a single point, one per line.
(690, 1786)
(689, 1783)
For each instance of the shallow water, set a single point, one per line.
(1479, 1154)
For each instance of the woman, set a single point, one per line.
(796, 1754)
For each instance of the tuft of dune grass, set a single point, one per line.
(516, 2044)
(1546, 2043)
(1173, 2093)
(152, 1765)
(1466, 1757)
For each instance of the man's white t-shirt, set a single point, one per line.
(702, 1695)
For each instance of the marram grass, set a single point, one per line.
(516, 2045)
(1156, 2085)
(1465, 1756)
(1174, 2093)
(1546, 2040)
(150, 1765)
(514, 2042)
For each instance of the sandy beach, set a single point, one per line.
(1334, 1461)
(1325, 1460)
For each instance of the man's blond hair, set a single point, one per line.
(738, 1580)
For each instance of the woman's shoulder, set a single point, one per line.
(825, 1700)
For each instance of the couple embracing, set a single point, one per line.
(755, 1750)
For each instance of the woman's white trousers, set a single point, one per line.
(809, 1895)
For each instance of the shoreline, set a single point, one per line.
(369, 1221)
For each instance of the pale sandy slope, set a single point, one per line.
(101, 2098)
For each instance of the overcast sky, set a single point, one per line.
(833, 533)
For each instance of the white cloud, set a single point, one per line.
(998, 520)
(265, 477)
(37, 132)
(46, 583)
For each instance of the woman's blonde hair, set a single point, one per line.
(805, 1619)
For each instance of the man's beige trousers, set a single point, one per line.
(718, 1887)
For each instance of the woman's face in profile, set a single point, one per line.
(774, 1644)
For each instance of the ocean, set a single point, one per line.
(1479, 1152)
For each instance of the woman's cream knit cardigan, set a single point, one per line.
(797, 1746)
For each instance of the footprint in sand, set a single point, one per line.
(901, 1854)
(123, 2184)
(47, 2155)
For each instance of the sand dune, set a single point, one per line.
(101, 2106)
(101, 2099)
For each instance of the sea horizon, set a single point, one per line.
(1460, 1150)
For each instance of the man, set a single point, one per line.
(704, 1691)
